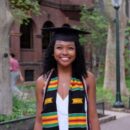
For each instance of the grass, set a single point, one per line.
(21, 108)
(25, 87)
(107, 96)
(102, 94)
(128, 83)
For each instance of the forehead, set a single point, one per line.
(65, 43)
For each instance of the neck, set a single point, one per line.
(64, 70)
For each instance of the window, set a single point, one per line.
(46, 35)
(29, 75)
(26, 39)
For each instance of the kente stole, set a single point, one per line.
(77, 117)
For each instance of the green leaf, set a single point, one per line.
(22, 10)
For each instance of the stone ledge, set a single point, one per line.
(107, 118)
(118, 109)
(25, 123)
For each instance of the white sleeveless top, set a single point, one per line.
(62, 111)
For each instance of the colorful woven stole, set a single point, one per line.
(77, 117)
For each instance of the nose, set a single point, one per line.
(64, 51)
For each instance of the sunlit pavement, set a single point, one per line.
(122, 121)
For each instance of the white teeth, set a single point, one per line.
(65, 58)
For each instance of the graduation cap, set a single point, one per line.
(65, 33)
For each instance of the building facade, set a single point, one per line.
(26, 41)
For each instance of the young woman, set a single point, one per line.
(66, 91)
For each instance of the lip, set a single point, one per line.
(64, 58)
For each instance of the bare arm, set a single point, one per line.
(21, 76)
(39, 102)
(93, 117)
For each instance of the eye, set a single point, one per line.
(58, 47)
(71, 48)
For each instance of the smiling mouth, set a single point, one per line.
(64, 58)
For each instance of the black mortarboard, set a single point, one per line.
(65, 33)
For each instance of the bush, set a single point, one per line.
(21, 108)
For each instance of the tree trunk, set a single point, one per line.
(123, 23)
(5, 90)
(110, 66)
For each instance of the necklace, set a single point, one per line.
(64, 82)
(64, 85)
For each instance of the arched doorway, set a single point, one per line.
(26, 39)
(46, 35)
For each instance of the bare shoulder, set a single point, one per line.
(90, 75)
(40, 82)
(90, 78)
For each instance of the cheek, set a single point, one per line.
(74, 55)
(55, 54)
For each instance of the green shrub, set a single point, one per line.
(21, 108)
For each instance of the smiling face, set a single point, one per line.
(64, 53)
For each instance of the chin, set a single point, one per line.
(65, 64)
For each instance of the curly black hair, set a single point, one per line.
(78, 66)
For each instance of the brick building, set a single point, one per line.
(25, 43)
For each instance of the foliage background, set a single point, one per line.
(22, 10)
(94, 21)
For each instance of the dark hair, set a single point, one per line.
(78, 66)
(12, 55)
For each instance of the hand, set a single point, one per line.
(21, 78)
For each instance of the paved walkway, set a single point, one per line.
(122, 121)
(117, 114)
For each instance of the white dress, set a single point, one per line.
(62, 111)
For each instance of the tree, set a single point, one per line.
(21, 10)
(127, 49)
(6, 20)
(110, 70)
(96, 23)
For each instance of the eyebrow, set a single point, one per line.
(69, 45)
